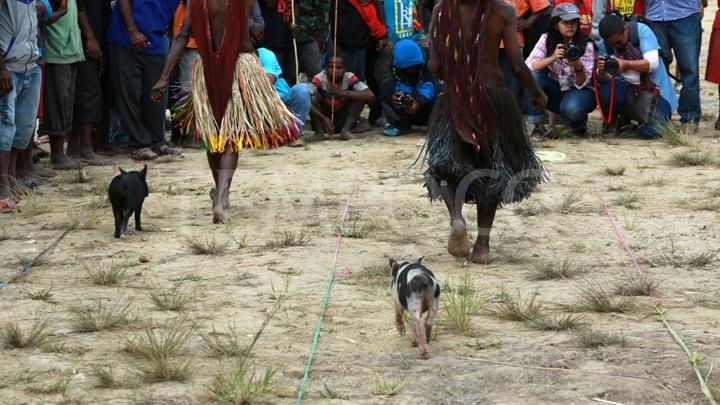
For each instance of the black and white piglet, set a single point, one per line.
(127, 193)
(415, 289)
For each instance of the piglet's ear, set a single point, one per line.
(394, 267)
(143, 172)
(122, 171)
(419, 261)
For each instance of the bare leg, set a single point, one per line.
(458, 244)
(228, 164)
(5, 193)
(58, 159)
(354, 110)
(399, 322)
(481, 250)
(33, 170)
(88, 156)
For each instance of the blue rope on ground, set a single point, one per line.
(29, 265)
(326, 298)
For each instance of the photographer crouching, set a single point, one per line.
(408, 97)
(633, 82)
(561, 64)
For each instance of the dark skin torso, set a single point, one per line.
(216, 11)
(502, 25)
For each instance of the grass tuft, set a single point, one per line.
(517, 308)
(594, 298)
(288, 239)
(389, 388)
(107, 273)
(34, 204)
(207, 246)
(675, 138)
(572, 203)
(105, 376)
(241, 386)
(461, 303)
(554, 270)
(690, 158)
(159, 349)
(223, 344)
(173, 299)
(43, 294)
(101, 317)
(591, 338)
(628, 200)
(530, 209)
(14, 337)
(636, 286)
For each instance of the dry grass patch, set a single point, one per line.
(389, 388)
(592, 339)
(555, 270)
(160, 350)
(288, 239)
(615, 170)
(106, 274)
(42, 294)
(174, 299)
(556, 323)
(208, 246)
(691, 158)
(639, 286)
(14, 337)
(530, 209)
(572, 203)
(461, 303)
(628, 200)
(34, 204)
(675, 138)
(223, 344)
(101, 317)
(241, 386)
(517, 308)
(104, 376)
(594, 298)
(355, 228)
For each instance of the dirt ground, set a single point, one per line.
(672, 226)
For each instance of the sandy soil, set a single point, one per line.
(303, 191)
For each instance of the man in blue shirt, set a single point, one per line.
(408, 97)
(679, 21)
(138, 47)
(635, 67)
(297, 99)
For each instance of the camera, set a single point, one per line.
(611, 66)
(406, 100)
(573, 53)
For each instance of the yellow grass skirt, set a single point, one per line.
(255, 118)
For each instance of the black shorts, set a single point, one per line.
(88, 93)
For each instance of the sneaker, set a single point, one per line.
(539, 134)
(392, 131)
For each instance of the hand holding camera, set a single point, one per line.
(609, 65)
(405, 101)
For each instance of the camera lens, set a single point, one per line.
(573, 53)
(611, 66)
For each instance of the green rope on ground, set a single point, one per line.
(694, 357)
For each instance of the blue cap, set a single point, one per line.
(407, 53)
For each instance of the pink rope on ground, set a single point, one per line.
(620, 235)
(343, 217)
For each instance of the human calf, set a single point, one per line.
(415, 289)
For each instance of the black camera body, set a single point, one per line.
(612, 66)
(406, 100)
(573, 53)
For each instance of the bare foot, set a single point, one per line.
(347, 136)
(39, 171)
(218, 215)
(213, 195)
(64, 163)
(424, 352)
(6, 195)
(480, 253)
(458, 244)
(93, 159)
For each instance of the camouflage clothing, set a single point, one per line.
(313, 20)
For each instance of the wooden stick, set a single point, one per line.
(334, 54)
(596, 399)
(295, 51)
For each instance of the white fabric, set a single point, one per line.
(654, 58)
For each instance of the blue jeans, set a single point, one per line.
(684, 36)
(298, 101)
(573, 104)
(648, 131)
(18, 110)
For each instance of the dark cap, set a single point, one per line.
(566, 11)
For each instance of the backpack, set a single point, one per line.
(664, 52)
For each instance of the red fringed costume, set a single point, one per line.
(231, 103)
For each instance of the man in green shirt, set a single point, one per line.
(311, 33)
(63, 51)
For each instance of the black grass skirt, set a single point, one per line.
(513, 172)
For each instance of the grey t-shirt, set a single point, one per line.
(18, 34)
